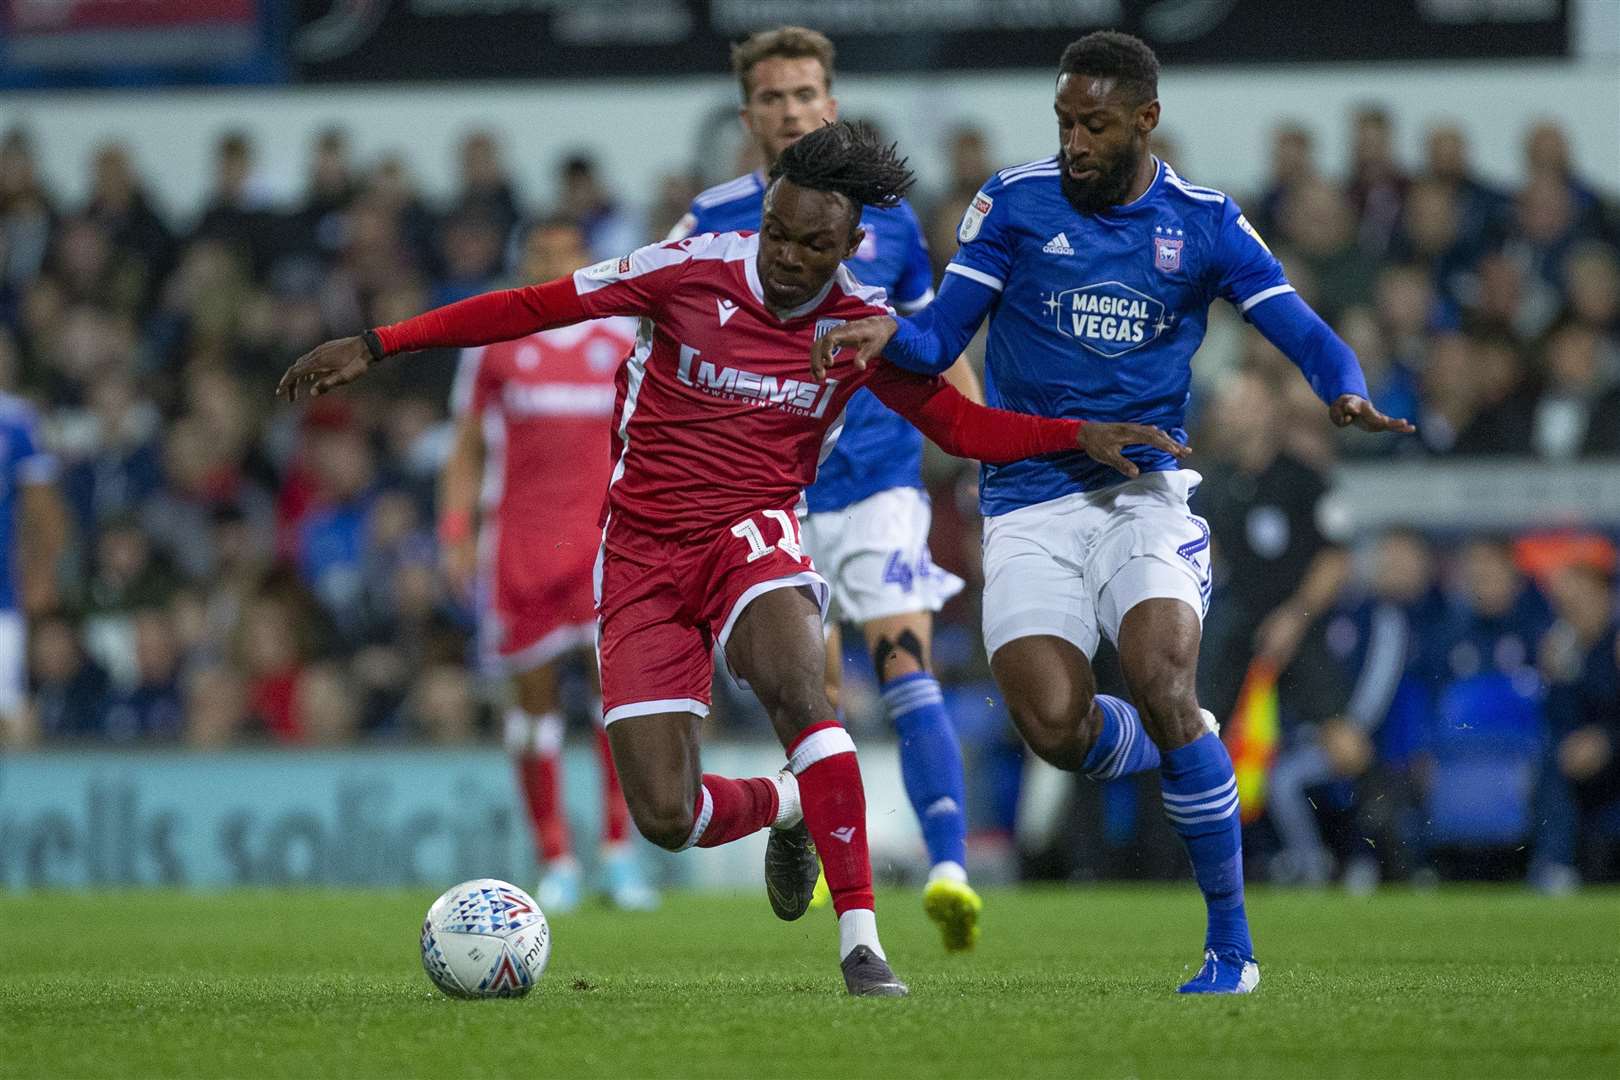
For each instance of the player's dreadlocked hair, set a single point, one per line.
(1110, 54)
(849, 160)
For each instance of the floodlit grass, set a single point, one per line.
(1067, 982)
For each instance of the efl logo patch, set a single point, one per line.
(1243, 223)
(1167, 254)
(624, 265)
(977, 209)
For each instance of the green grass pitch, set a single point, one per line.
(1067, 982)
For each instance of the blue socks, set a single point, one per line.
(930, 764)
(1122, 747)
(1200, 799)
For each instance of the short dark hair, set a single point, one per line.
(849, 160)
(1110, 54)
(787, 42)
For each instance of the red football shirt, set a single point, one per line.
(545, 403)
(720, 418)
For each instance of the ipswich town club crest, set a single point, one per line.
(1167, 253)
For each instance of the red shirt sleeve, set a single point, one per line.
(633, 285)
(487, 318)
(965, 429)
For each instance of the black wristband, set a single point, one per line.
(374, 346)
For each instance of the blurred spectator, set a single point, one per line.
(1320, 228)
(487, 190)
(152, 707)
(392, 189)
(237, 210)
(1430, 235)
(1546, 156)
(1579, 805)
(1500, 384)
(1277, 570)
(610, 230)
(1293, 164)
(26, 215)
(1481, 210)
(320, 224)
(1367, 751)
(1546, 228)
(470, 252)
(1592, 272)
(1377, 184)
(1577, 408)
(70, 690)
(120, 208)
(1498, 616)
(113, 463)
(332, 539)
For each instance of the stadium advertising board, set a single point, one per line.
(122, 42)
(83, 818)
(347, 40)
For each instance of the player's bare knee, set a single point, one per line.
(1168, 703)
(1056, 731)
(665, 821)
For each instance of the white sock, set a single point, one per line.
(788, 811)
(858, 926)
(948, 871)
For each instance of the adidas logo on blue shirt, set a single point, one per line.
(1058, 245)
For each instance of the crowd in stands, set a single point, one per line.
(238, 570)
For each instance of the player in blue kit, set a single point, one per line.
(33, 530)
(1097, 267)
(868, 521)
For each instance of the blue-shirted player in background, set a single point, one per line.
(33, 528)
(1097, 266)
(868, 520)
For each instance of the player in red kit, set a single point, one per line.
(531, 452)
(720, 432)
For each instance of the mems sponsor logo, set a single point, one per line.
(1107, 317)
(799, 396)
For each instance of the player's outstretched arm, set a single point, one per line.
(503, 315)
(1329, 365)
(927, 343)
(997, 436)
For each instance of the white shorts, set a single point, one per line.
(875, 554)
(1073, 566)
(13, 665)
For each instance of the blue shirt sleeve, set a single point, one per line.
(986, 239)
(1246, 272)
(1327, 362)
(930, 341)
(32, 462)
(915, 286)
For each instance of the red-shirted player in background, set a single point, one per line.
(720, 433)
(531, 450)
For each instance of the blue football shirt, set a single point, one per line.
(877, 449)
(25, 462)
(1098, 315)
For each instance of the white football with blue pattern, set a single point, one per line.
(485, 938)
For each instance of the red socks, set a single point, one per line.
(615, 815)
(538, 775)
(834, 802)
(728, 810)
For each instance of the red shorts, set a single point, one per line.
(539, 599)
(664, 603)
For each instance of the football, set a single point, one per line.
(485, 938)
